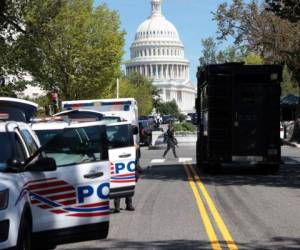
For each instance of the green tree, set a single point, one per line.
(141, 89)
(70, 45)
(288, 85)
(288, 9)
(253, 58)
(7, 91)
(211, 54)
(209, 51)
(168, 108)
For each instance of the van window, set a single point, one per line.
(120, 136)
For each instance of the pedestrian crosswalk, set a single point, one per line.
(158, 160)
(179, 160)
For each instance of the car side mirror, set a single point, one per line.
(135, 130)
(42, 165)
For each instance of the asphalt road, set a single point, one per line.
(178, 207)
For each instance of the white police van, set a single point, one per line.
(125, 108)
(122, 151)
(55, 194)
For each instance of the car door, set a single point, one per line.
(77, 193)
(122, 155)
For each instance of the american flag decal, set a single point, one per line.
(59, 197)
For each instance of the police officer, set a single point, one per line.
(128, 200)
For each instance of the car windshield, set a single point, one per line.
(120, 136)
(77, 145)
(46, 135)
(5, 150)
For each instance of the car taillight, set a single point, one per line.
(4, 116)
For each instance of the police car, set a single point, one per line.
(55, 194)
(122, 152)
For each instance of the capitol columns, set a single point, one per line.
(167, 73)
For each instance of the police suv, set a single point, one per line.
(54, 194)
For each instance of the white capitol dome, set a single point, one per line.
(158, 53)
(157, 28)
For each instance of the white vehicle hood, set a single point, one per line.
(7, 181)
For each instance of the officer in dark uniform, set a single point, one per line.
(128, 200)
(170, 140)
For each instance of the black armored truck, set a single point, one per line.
(238, 108)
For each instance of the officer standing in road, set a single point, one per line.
(170, 140)
(128, 200)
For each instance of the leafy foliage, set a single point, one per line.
(262, 32)
(185, 126)
(209, 51)
(168, 108)
(67, 44)
(211, 54)
(140, 88)
(250, 25)
(288, 85)
(288, 9)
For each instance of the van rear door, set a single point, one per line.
(122, 155)
(248, 119)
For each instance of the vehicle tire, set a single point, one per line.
(25, 235)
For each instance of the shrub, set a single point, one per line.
(184, 126)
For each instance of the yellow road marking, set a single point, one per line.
(203, 213)
(224, 231)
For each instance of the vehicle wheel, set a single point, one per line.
(24, 238)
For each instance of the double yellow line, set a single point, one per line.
(194, 179)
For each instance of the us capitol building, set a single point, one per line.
(158, 54)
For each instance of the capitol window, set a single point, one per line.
(168, 95)
(179, 96)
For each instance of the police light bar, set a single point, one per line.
(4, 116)
(83, 120)
(50, 119)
